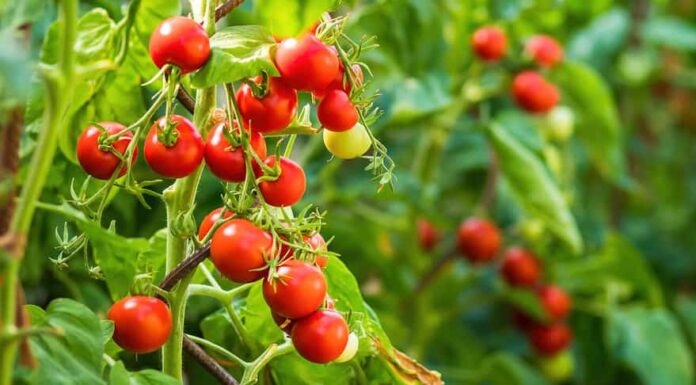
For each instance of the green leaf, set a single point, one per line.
(601, 40)
(294, 369)
(290, 17)
(258, 320)
(75, 357)
(652, 345)
(415, 98)
(533, 188)
(149, 15)
(505, 369)
(238, 52)
(120, 376)
(598, 124)
(526, 301)
(153, 259)
(670, 32)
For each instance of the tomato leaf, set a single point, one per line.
(290, 17)
(670, 32)
(505, 369)
(120, 376)
(238, 52)
(533, 188)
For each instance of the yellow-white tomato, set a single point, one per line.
(350, 350)
(348, 144)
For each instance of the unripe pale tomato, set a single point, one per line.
(320, 337)
(559, 367)
(556, 302)
(520, 267)
(209, 221)
(180, 159)
(306, 63)
(225, 162)
(141, 324)
(102, 164)
(478, 239)
(239, 250)
(533, 93)
(489, 43)
(290, 186)
(351, 349)
(348, 144)
(545, 50)
(271, 113)
(336, 112)
(180, 41)
(428, 236)
(548, 340)
(298, 291)
(559, 124)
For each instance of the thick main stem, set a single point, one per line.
(56, 95)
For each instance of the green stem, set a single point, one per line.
(251, 373)
(58, 91)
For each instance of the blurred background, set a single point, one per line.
(626, 170)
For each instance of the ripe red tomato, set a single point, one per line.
(306, 63)
(285, 324)
(299, 290)
(478, 239)
(428, 236)
(238, 250)
(551, 339)
(556, 302)
(290, 186)
(180, 41)
(545, 50)
(102, 164)
(141, 324)
(180, 159)
(271, 113)
(489, 43)
(533, 93)
(339, 84)
(336, 112)
(225, 162)
(520, 267)
(317, 243)
(320, 337)
(209, 221)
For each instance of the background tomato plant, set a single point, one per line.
(606, 205)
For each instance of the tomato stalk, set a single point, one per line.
(58, 83)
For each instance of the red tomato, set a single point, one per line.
(317, 243)
(339, 84)
(489, 43)
(478, 239)
(306, 64)
(225, 162)
(180, 41)
(428, 236)
(239, 250)
(336, 112)
(141, 324)
(533, 93)
(285, 324)
(520, 267)
(545, 50)
(209, 221)
(180, 159)
(271, 113)
(320, 337)
(297, 291)
(102, 164)
(556, 302)
(551, 339)
(290, 186)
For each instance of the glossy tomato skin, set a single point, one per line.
(228, 163)
(306, 63)
(339, 83)
(299, 290)
(548, 340)
(533, 93)
(320, 337)
(428, 236)
(141, 324)
(336, 112)
(238, 250)
(478, 239)
(555, 301)
(271, 113)
(209, 221)
(489, 43)
(544, 50)
(102, 164)
(316, 242)
(179, 160)
(180, 41)
(348, 144)
(520, 267)
(290, 186)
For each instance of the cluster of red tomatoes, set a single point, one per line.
(479, 241)
(530, 90)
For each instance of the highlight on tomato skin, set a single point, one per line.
(320, 337)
